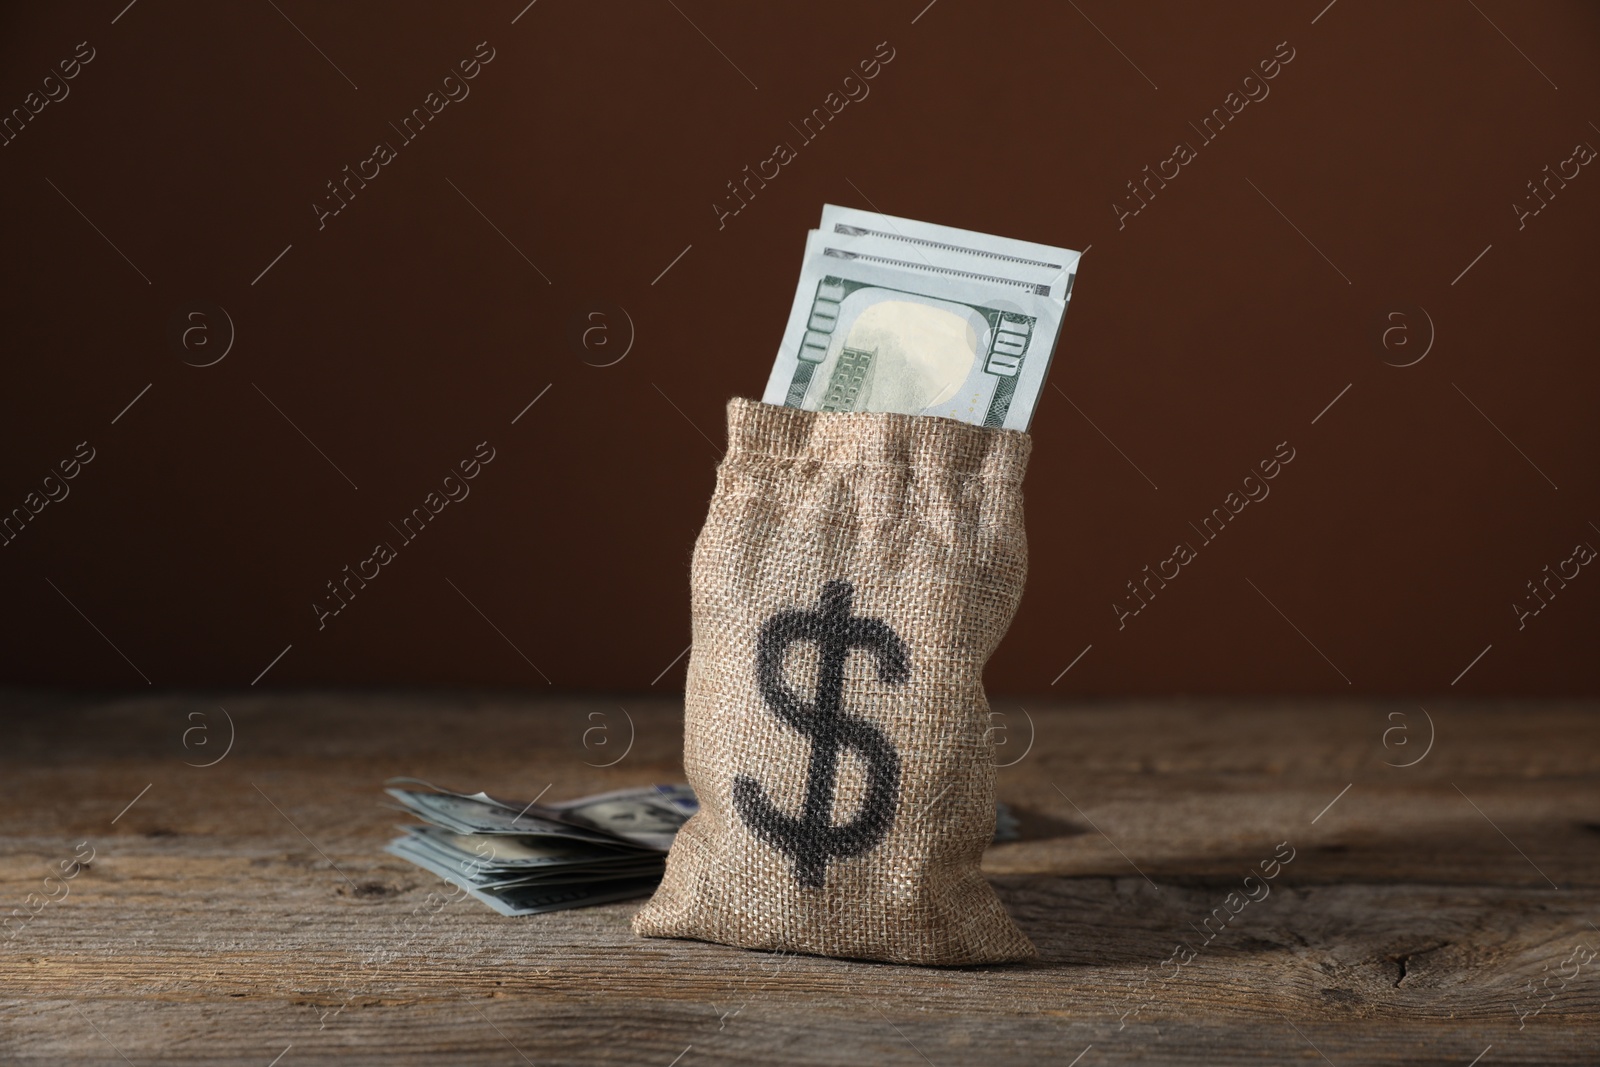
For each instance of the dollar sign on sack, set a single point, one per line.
(812, 839)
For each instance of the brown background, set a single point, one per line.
(1202, 334)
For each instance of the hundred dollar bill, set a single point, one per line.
(649, 816)
(524, 853)
(642, 817)
(911, 240)
(482, 814)
(976, 272)
(498, 861)
(526, 899)
(919, 339)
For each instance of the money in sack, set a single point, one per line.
(854, 574)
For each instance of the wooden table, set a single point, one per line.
(245, 911)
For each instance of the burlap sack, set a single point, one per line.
(854, 574)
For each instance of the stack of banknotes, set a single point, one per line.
(897, 315)
(524, 859)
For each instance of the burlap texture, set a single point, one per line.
(854, 574)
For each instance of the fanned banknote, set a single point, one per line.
(893, 314)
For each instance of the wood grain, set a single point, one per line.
(244, 910)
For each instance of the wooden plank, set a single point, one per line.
(237, 910)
